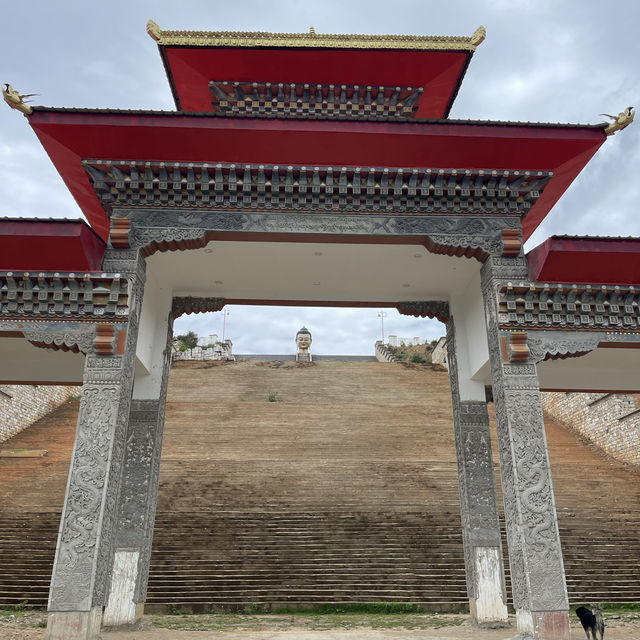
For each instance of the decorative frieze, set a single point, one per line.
(569, 306)
(295, 100)
(77, 295)
(191, 304)
(293, 188)
(425, 309)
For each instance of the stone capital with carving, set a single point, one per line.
(546, 345)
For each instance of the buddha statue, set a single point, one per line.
(303, 342)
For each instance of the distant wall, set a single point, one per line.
(383, 354)
(219, 351)
(610, 421)
(291, 357)
(23, 404)
(439, 353)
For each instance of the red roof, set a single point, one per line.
(440, 73)
(69, 136)
(585, 260)
(54, 244)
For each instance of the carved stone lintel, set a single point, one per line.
(191, 304)
(425, 309)
(456, 235)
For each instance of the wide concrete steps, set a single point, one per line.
(344, 490)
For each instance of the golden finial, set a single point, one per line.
(154, 30)
(312, 30)
(16, 100)
(478, 36)
(619, 122)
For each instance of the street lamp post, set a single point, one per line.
(225, 313)
(381, 315)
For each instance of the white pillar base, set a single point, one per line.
(524, 620)
(489, 607)
(74, 625)
(121, 609)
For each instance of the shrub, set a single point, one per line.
(188, 340)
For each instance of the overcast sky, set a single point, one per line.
(543, 60)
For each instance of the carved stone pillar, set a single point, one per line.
(535, 556)
(85, 542)
(138, 492)
(478, 503)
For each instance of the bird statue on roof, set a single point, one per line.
(16, 100)
(619, 122)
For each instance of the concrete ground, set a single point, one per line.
(30, 626)
(463, 632)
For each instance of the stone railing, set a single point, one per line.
(383, 354)
(219, 351)
(611, 421)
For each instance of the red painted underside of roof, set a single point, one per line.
(586, 261)
(69, 137)
(439, 72)
(37, 245)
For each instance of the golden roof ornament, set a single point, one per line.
(312, 39)
(16, 100)
(478, 36)
(619, 122)
(153, 30)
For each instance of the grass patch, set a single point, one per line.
(610, 607)
(621, 607)
(379, 615)
(385, 608)
(13, 609)
(273, 397)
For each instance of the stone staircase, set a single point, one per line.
(341, 489)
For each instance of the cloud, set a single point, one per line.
(543, 60)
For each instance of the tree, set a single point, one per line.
(188, 340)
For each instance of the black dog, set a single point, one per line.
(592, 622)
